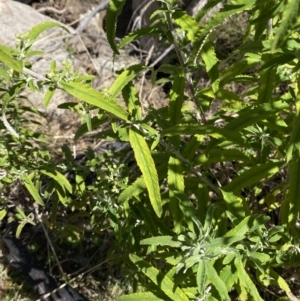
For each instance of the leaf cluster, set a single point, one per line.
(192, 214)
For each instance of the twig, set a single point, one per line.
(38, 217)
(77, 277)
(51, 10)
(36, 75)
(88, 18)
(171, 47)
(144, 73)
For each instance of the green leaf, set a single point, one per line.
(260, 112)
(83, 129)
(261, 257)
(2, 214)
(292, 198)
(32, 189)
(288, 19)
(134, 189)
(294, 143)
(253, 176)
(176, 185)
(276, 61)
(211, 64)
(135, 35)
(245, 281)
(187, 23)
(7, 59)
(176, 97)
(217, 282)
(19, 229)
(222, 155)
(161, 241)
(60, 179)
(205, 9)
(266, 82)
(192, 129)
(113, 11)
(217, 19)
(124, 78)
(35, 31)
(49, 94)
(139, 185)
(248, 225)
(229, 276)
(131, 98)
(275, 279)
(222, 242)
(95, 98)
(146, 164)
(162, 281)
(188, 210)
(148, 296)
(201, 277)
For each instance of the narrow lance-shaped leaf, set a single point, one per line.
(217, 155)
(201, 277)
(266, 82)
(134, 189)
(192, 129)
(146, 164)
(245, 280)
(94, 98)
(247, 117)
(2, 214)
(229, 10)
(162, 281)
(276, 278)
(161, 241)
(148, 296)
(113, 11)
(253, 175)
(60, 179)
(247, 225)
(131, 98)
(206, 7)
(49, 94)
(7, 59)
(124, 78)
(217, 282)
(288, 19)
(35, 31)
(32, 189)
(294, 143)
(292, 204)
(187, 23)
(229, 276)
(221, 242)
(175, 170)
(139, 185)
(176, 184)
(211, 64)
(142, 32)
(176, 97)
(188, 210)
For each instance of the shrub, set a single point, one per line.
(195, 223)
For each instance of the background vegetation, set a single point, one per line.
(187, 203)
